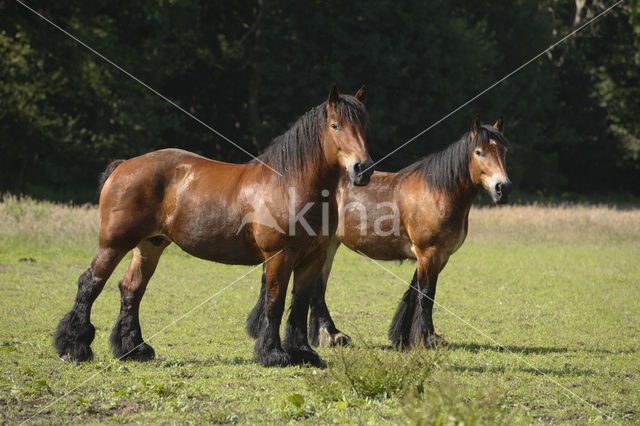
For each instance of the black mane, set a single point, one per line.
(288, 153)
(447, 169)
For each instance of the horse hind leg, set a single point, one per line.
(322, 329)
(126, 338)
(73, 337)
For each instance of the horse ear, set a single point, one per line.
(476, 124)
(334, 95)
(361, 94)
(499, 124)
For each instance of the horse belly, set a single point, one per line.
(215, 234)
(391, 247)
(229, 251)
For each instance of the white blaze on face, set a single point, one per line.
(491, 182)
(350, 163)
(492, 142)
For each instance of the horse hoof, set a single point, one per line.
(435, 341)
(401, 345)
(73, 338)
(305, 356)
(275, 358)
(141, 353)
(326, 338)
(79, 353)
(340, 339)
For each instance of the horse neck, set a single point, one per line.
(318, 175)
(326, 176)
(465, 191)
(465, 195)
(462, 196)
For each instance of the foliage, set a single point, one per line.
(368, 373)
(421, 381)
(440, 402)
(249, 68)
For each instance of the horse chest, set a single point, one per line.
(458, 235)
(462, 235)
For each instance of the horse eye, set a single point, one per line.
(334, 126)
(479, 153)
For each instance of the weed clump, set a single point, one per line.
(369, 373)
(418, 381)
(440, 402)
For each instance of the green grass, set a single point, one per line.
(558, 288)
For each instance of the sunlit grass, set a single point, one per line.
(558, 288)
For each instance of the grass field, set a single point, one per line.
(557, 288)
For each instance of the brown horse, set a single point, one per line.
(202, 205)
(419, 213)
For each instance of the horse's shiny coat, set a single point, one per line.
(433, 222)
(199, 204)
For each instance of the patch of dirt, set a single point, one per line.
(128, 407)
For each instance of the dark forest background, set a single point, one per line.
(250, 68)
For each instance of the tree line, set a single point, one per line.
(250, 68)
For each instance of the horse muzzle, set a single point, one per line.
(501, 192)
(360, 173)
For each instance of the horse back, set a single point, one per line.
(189, 199)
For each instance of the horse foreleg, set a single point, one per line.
(296, 343)
(75, 332)
(268, 348)
(422, 330)
(126, 337)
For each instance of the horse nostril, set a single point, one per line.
(506, 187)
(503, 190)
(368, 167)
(357, 168)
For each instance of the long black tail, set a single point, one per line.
(105, 175)
(257, 317)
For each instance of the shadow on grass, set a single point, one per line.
(526, 350)
(565, 371)
(475, 348)
(218, 361)
(210, 362)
